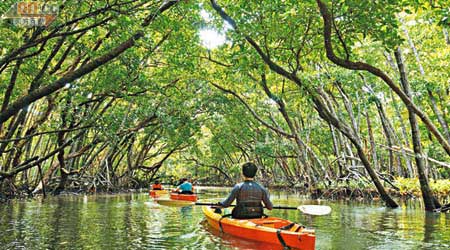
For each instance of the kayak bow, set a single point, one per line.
(179, 200)
(158, 193)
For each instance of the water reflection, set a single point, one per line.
(186, 212)
(136, 222)
(233, 242)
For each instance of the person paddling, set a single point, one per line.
(157, 186)
(185, 187)
(249, 195)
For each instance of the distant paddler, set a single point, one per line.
(157, 189)
(185, 187)
(157, 186)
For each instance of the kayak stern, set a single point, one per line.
(270, 230)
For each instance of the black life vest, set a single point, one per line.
(248, 209)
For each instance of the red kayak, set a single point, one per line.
(183, 197)
(178, 200)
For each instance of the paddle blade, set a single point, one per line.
(314, 209)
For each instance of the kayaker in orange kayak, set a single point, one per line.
(157, 186)
(185, 187)
(249, 195)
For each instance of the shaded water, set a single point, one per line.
(134, 221)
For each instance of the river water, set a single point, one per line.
(134, 221)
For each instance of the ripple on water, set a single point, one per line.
(136, 222)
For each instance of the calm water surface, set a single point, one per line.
(134, 221)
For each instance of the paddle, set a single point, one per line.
(306, 209)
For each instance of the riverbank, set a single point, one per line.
(401, 188)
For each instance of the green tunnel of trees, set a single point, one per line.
(114, 94)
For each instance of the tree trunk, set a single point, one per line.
(430, 201)
(404, 142)
(361, 66)
(347, 152)
(373, 148)
(433, 104)
(347, 131)
(337, 152)
(302, 147)
(387, 133)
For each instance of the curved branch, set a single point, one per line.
(35, 95)
(272, 65)
(276, 130)
(327, 19)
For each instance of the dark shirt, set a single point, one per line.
(248, 191)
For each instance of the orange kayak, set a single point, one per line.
(157, 193)
(183, 197)
(270, 230)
